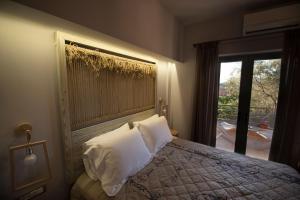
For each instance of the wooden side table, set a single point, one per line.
(174, 132)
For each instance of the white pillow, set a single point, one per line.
(116, 158)
(136, 123)
(94, 141)
(156, 133)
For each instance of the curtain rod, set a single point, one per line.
(107, 52)
(240, 38)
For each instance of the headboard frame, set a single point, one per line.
(73, 140)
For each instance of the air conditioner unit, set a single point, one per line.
(273, 20)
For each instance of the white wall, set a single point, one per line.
(144, 23)
(28, 83)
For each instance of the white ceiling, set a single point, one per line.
(193, 11)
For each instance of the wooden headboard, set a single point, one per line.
(74, 137)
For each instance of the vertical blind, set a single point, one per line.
(99, 97)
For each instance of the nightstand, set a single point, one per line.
(174, 132)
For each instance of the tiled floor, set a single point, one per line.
(255, 147)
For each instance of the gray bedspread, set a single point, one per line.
(187, 170)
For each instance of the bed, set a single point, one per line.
(180, 170)
(188, 170)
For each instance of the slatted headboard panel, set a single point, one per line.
(75, 136)
(96, 98)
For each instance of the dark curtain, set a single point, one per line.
(206, 94)
(285, 146)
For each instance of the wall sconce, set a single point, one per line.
(30, 158)
(163, 108)
(29, 162)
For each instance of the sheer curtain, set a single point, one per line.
(285, 146)
(206, 94)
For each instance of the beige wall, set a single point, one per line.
(144, 23)
(184, 78)
(28, 83)
(216, 29)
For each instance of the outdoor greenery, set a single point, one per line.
(265, 86)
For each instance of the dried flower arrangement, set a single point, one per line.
(98, 61)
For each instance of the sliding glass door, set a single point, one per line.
(247, 103)
(229, 89)
(263, 104)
